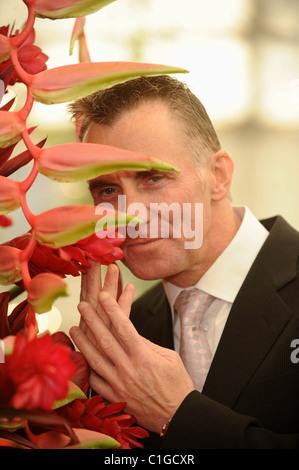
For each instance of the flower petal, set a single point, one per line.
(93, 440)
(10, 195)
(69, 82)
(10, 265)
(82, 161)
(4, 48)
(55, 9)
(11, 128)
(73, 393)
(76, 33)
(66, 225)
(43, 290)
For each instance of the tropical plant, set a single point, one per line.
(43, 380)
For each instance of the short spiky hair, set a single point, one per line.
(106, 106)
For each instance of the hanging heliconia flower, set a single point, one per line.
(43, 380)
(55, 9)
(10, 195)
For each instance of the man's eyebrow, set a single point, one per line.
(145, 173)
(101, 182)
(98, 183)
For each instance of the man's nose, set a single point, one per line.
(136, 202)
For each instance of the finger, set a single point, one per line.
(101, 387)
(110, 285)
(122, 326)
(83, 326)
(106, 341)
(111, 280)
(91, 284)
(97, 361)
(126, 299)
(83, 287)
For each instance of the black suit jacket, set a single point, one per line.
(251, 395)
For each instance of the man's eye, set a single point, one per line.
(108, 191)
(155, 178)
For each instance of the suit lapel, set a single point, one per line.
(254, 324)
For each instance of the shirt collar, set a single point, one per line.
(225, 277)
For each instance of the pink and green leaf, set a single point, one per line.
(83, 161)
(66, 225)
(4, 48)
(43, 290)
(73, 393)
(70, 82)
(11, 128)
(10, 195)
(55, 9)
(93, 440)
(10, 265)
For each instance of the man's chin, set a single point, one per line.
(147, 270)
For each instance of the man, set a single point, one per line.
(249, 393)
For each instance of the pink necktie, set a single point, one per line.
(194, 349)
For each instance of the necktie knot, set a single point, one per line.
(191, 306)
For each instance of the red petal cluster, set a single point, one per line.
(72, 259)
(36, 373)
(95, 415)
(31, 57)
(81, 377)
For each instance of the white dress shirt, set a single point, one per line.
(224, 278)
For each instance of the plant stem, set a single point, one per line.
(25, 274)
(24, 112)
(30, 217)
(20, 38)
(33, 149)
(27, 183)
(24, 76)
(29, 249)
(25, 257)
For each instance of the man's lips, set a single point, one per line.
(141, 242)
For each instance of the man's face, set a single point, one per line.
(151, 129)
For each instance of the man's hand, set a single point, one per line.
(128, 368)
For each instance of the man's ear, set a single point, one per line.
(222, 168)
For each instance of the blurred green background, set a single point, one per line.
(243, 61)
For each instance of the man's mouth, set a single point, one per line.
(141, 242)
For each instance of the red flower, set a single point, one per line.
(31, 58)
(95, 415)
(81, 377)
(37, 371)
